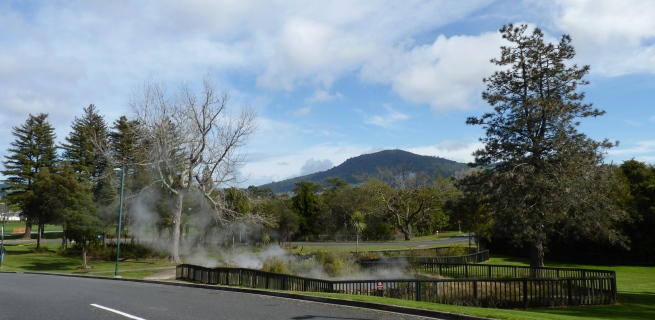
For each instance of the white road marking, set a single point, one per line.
(127, 315)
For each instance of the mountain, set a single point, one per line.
(368, 164)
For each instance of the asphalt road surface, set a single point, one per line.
(33, 296)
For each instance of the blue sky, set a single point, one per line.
(330, 79)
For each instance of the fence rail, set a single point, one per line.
(533, 287)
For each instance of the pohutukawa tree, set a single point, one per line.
(543, 177)
(193, 141)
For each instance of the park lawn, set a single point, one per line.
(441, 235)
(301, 250)
(22, 258)
(11, 225)
(51, 231)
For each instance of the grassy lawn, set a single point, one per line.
(21, 257)
(299, 248)
(51, 231)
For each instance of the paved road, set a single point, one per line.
(51, 297)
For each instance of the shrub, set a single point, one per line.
(276, 265)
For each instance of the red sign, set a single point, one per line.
(380, 285)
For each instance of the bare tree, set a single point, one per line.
(192, 142)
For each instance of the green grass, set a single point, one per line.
(21, 258)
(436, 236)
(51, 231)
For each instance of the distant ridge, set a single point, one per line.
(368, 164)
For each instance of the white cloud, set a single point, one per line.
(637, 149)
(633, 123)
(452, 150)
(324, 96)
(615, 37)
(312, 166)
(387, 120)
(448, 73)
(302, 112)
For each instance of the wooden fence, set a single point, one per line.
(477, 285)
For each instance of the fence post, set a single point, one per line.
(613, 284)
(475, 292)
(569, 285)
(418, 290)
(525, 293)
(285, 279)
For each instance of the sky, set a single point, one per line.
(330, 80)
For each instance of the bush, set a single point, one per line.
(276, 265)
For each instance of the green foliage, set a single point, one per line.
(236, 200)
(307, 204)
(409, 199)
(276, 265)
(378, 228)
(542, 178)
(129, 251)
(80, 147)
(332, 263)
(33, 149)
(641, 180)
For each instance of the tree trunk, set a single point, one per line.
(407, 231)
(174, 255)
(84, 254)
(537, 254)
(357, 243)
(38, 237)
(28, 231)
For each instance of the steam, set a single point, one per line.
(216, 243)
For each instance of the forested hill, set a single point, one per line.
(368, 164)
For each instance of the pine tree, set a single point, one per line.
(545, 179)
(44, 200)
(33, 149)
(79, 213)
(83, 147)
